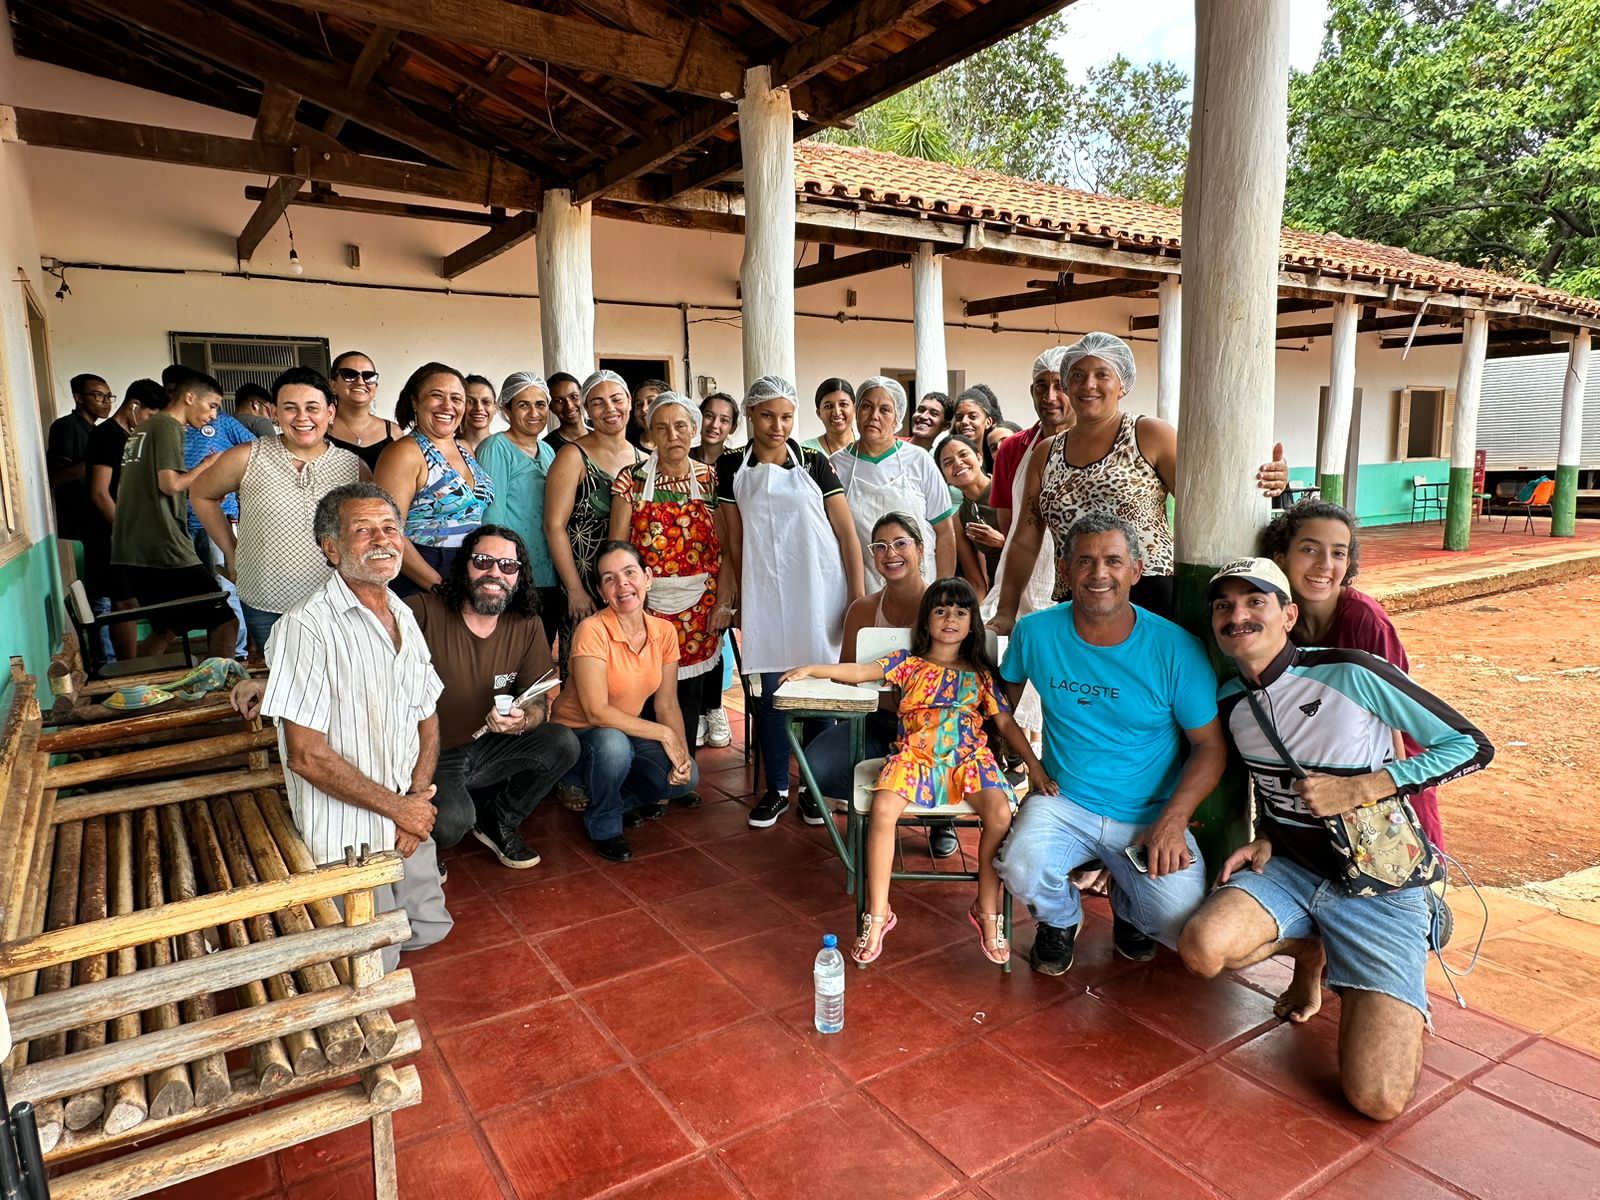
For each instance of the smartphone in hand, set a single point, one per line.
(1136, 855)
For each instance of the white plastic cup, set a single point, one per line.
(503, 702)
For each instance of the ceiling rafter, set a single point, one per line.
(1057, 293)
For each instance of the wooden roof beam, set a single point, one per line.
(675, 136)
(507, 234)
(154, 143)
(1070, 293)
(830, 270)
(1153, 320)
(365, 205)
(1372, 324)
(861, 25)
(687, 58)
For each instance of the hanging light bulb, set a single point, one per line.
(295, 265)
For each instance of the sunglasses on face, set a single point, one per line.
(508, 566)
(900, 545)
(350, 375)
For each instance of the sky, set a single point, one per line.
(1163, 30)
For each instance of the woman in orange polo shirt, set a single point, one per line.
(621, 657)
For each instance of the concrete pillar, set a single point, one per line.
(566, 285)
(766, 275)
(1464, 434)
(1564, 507)
(1169, 349)
(927, 311)
(1341, 401)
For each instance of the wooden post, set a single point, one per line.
(927, 312)
(212, 1082)
(87, 1107)
(1564, 507)
(1341, 401)
(158, 758)
(1232, 218)
(766, 274)
(129, 1105)
(566, 284)
(169, 1090)
(1169, 349)
(1464, 436)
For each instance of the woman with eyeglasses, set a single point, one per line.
(577, 496)
(440, 488)
(519, 461)
(666, 508)
(356, 427)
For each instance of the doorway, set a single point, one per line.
(635, 371)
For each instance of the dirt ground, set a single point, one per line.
(1525, 668)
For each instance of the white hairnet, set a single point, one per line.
(600, 377)
(768, 387)
(669, 398)
(1050, 360)
(896, 393)
(1107, 347)
(518, 382)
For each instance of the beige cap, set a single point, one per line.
(1260, 573)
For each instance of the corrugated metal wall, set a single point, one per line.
(1519, 415)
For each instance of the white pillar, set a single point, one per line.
(1169, 349)
(1564, 507)
(1464, 433)
(766, 275)
(927, 311)
(566, 285)
(1341, 401)
(1232, 215)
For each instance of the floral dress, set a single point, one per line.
(941, 756)
(676, 534)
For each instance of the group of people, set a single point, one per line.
(421, 586)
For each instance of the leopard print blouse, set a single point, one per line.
(1123, 483)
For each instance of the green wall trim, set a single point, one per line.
(1222, 822)
(1383, 491)
(1564, 505)
(31, 612)
(1458, 510)
(1332, 488)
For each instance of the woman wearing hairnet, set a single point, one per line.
(797, 564)
(882, 474)
(519, 460)
(666, 508)
(1108, 461)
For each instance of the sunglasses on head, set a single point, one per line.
(508, 566)
(350, 375)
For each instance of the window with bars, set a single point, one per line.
(236, 359)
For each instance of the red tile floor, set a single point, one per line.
(644, 1030)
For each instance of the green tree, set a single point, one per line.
(1129, 131)
(1464, 129)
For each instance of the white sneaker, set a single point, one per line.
(700, 731)
(714, 731)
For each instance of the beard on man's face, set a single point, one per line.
(489, 596)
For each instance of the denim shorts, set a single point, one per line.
(1374, 943)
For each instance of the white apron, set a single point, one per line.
(792, 590)
(1036, 595)
(898, 493)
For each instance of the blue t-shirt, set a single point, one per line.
(224, 433)
(1114, 715)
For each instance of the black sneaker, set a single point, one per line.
(508, 847)
(810, 810)
(1052, 949)
(766, 814)
(942, 841)
(1131, 942)
(636, 817)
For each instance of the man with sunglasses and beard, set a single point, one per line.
(483, 629)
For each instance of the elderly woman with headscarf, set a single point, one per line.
(1109, 461)
(519, 460)
(577, 496)
(882, 474)
(795, 557)
(666, 507)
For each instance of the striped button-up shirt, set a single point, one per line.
(335, 669)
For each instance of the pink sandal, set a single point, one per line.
(1000, 955)
(859, 951)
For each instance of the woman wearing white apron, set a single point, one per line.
(785, 526)
(882, 474)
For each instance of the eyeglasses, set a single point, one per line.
(107, 397)
(1043, 389)
(900, 545)
(350, 375)
(508, 566)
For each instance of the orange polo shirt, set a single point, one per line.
(632, 677)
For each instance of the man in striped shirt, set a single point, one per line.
(353, 690)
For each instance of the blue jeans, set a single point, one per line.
(258, 623)
(211, 559)
(828, 754)
(619, 773)
(1051, 837)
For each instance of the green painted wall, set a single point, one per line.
(1383, 490)
(31, 614)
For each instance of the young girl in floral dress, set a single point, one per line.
(948, 686)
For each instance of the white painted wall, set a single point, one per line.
(126, 214)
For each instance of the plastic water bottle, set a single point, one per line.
(829, 976)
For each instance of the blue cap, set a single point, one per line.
(829, 941)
